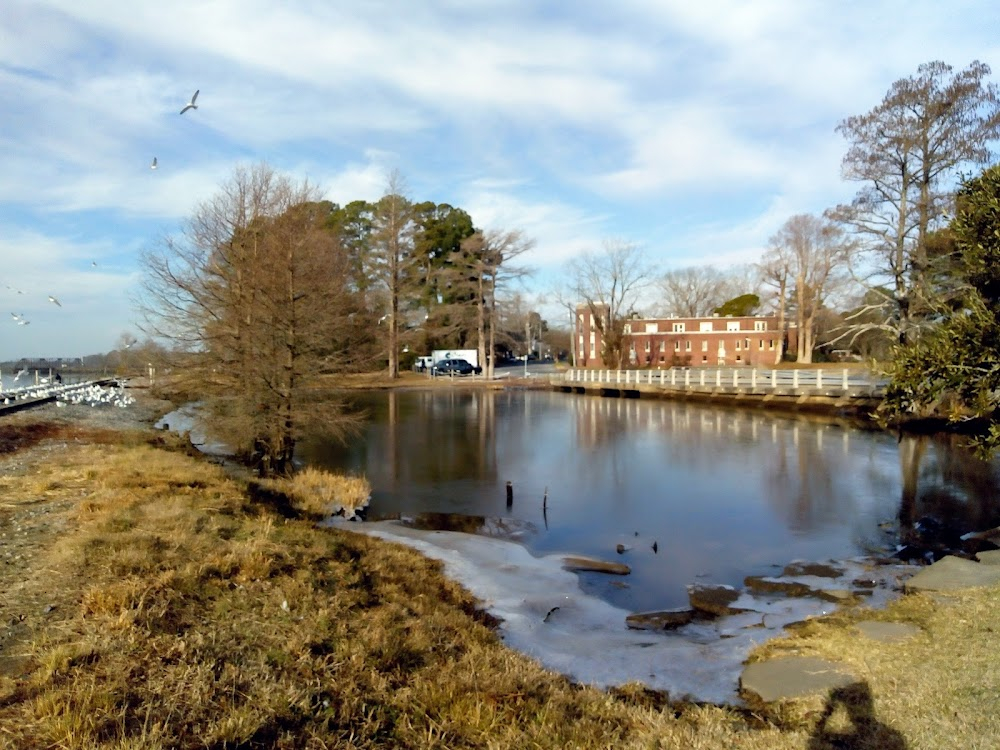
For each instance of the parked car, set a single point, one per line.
(455, 367)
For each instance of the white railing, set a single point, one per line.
(745, 379)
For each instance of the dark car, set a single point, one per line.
(455, 367)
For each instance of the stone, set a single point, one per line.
(766, 585)
(989, 557)
(792, 677)
(713, 599)
(589, 564)
(666, 619)
(951, 574)
(839, 596)
(887, 632)
(820, 570)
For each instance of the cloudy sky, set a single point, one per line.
(693, 129)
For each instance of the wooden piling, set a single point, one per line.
(510, 494)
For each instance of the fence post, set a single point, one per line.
(819, 378)
(673, 377)
(701, 378)
(736, 378)
(795, 379)
(663, 374)
(845, 379)
(718, 378)
(687, 378)
(774, 379)
(753, 379)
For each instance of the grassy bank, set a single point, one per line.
(168, 609)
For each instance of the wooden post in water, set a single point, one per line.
(545, 500)
(510, 494)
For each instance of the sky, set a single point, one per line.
(693, 130)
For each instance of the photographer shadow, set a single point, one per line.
(849, 723)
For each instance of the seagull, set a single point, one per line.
(24, 322)
(55, 301)
(152, 166)
(191, 104)
(93, 263)
(15, 316)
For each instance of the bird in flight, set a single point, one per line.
(191, 104)
(93, 263)
(56, 302)
(15, 316)
(153, 165)
(24, 322)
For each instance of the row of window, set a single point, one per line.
(739, 346)
(705, 326)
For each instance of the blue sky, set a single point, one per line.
(693, 129)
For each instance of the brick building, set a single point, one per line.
(715, 341)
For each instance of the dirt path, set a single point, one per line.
(34, 509)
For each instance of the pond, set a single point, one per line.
(693, 493)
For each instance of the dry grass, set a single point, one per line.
(318, 492)
(189, 618)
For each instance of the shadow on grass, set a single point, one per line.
(849, 723)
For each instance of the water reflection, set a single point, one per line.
(723, 492)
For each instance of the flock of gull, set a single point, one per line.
(19, 318)
(89, 393)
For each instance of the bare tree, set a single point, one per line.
(696, 291)
(485, 261)
(809, 253)
(251, 294)
(610, 283)
(392, 245)
(906, 153)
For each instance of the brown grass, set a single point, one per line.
(318, 492)
(186, 618)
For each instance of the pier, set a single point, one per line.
(841, 390)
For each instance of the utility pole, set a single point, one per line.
(527, 342)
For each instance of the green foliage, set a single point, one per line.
(739, 307)
(954, 370)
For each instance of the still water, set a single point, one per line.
(723, 493)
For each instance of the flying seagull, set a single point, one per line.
(24, 322)
(93, 263)
(191, 104)
(153, 165)
(55, 301)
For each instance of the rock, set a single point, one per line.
(887, 632)
(990, 557)
(839, 596)
(820, 570)
(622, 549)
(589, 564)
(713, 599)
(793, 676)
(666, 619)
(953, 573)
(766, 585)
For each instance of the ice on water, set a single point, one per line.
(586, 637)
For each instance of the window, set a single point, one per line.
(737, 344)
(628, 328)
(663, 347)
(647, 345)
(739, 358)
(732, 325)
(760, 344)
(704, 346)
(704, 358)
(652, 328)
(760, 325)
(770, 344)
(687, 346)
(705, 326)
(678, 328)
(677, 346)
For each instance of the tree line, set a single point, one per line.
(866, 276)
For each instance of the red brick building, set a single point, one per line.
(715, 341)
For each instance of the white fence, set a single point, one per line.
(744, 379)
